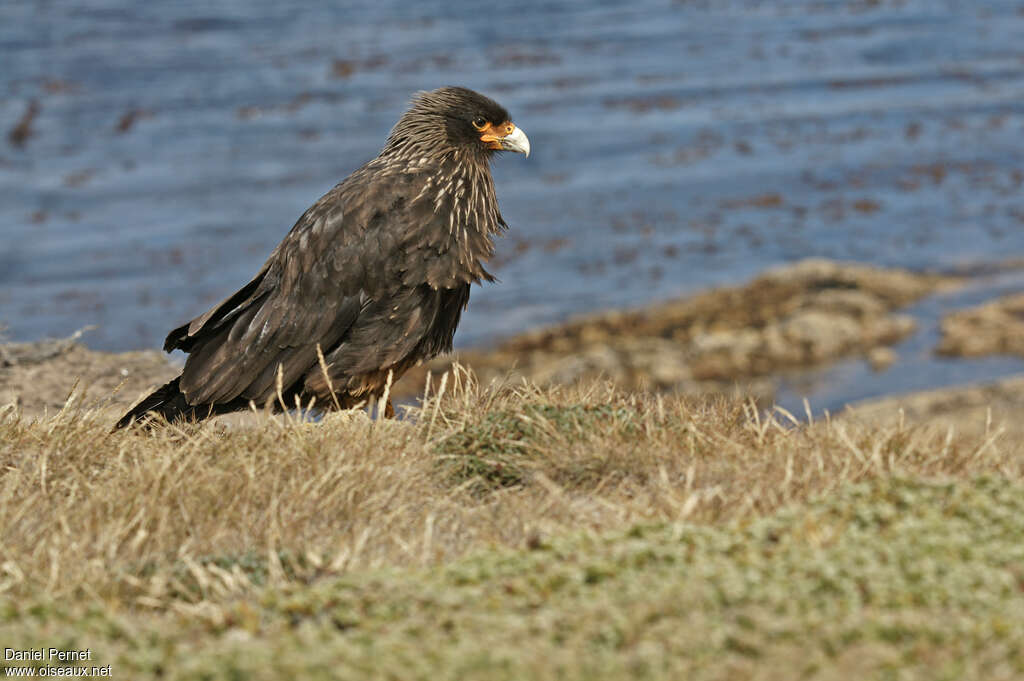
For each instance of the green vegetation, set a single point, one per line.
(516, 534)
(496, 450)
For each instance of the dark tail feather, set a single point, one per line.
(167, 401)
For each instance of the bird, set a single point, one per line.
(371, 280)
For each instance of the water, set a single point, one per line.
(676, 146)
(918, 368)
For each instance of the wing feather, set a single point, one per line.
(355, 275)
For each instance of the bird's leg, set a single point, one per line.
(389, 411)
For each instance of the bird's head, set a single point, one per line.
(457, 118)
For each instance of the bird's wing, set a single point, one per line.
(347, 251)
(416, 323)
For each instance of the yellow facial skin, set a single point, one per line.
(504, 137)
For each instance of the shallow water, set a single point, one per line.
(918, 368)
(676, 146)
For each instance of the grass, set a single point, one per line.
(516, 533)
(499, 449)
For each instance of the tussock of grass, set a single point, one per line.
(499, 449)
(516, 533)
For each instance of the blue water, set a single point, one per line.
(676, 146)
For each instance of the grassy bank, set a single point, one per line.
(573, 533)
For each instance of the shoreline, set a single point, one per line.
(747, 339)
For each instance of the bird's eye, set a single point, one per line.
(479, 123)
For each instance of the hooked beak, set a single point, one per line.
(516, 141)
(513, 139)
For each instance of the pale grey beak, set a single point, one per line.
(516, 141)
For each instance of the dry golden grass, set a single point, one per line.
(191, 521)
(86, 511)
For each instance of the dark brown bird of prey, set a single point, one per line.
(374, 275)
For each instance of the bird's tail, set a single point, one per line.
(167, 401)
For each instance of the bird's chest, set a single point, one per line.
(452, 218)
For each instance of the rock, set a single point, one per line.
(847, 302)
(881, 358)
(989, 410)
(40, 376)
(13, 354)
(994, 328)
(820, 334)
(657, 363)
